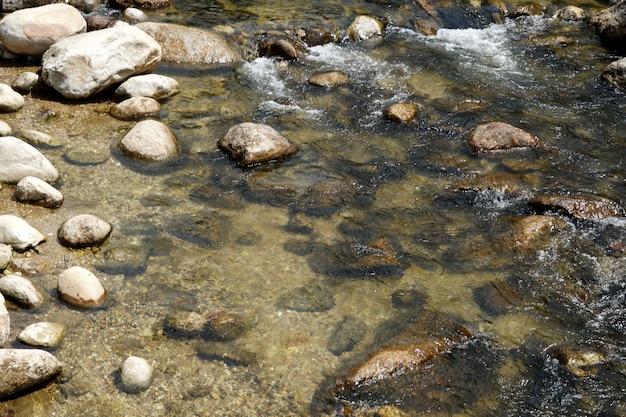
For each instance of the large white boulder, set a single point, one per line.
(82, 65)
(32, 31)
(18, 159)
(25, 368)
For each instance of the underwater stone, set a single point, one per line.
(224, 325)
(84, 230)
(43, 334)
(184, 324)
(347, 333)
(136, 374)
(309, 298)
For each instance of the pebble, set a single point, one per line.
(150, 140)
(20, 290)
(43, 334)
(5, 322)
(137, 374)
(5, 128)
(154, 86)
(84, 230)
(16, 232)
(19, 159)
(10, 100)
(81, 288)
(134, 15)
(365, 27)
(5, 256)
(26, 82)
(500, 136)
(135, 108)
(38, 192)
(184, 324)
(25, 368)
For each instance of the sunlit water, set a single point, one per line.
(284, 245)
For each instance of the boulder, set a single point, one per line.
(136, 108)
(500, 136)
(18, 159)
(21, 291)
(150, 140)
(188, 45)
(401, 112)
(23, 369)
(84, 230)
(43, 334)
(32, 31)
(365, 27)
(80, 287)
(610, 24)
(154, 86)
(136, 374)
(16, 232)
(252, 144)
(82, 65)
(36, 191)
(5, 322)
(586, 207)
(10, 100)
(329, 79)
(615, 73)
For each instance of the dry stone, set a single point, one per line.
(25, 368)
(10, 100)
(80, 287)
(83, 231)
(82, 65)
(16, 232)
(5, 256)
(135, 108)
(154, 86)
(43, 334)
(18, 159)
(21, 291)
(150, 140)
(615, 73)
(5, 322)
(500, 136)
(36, 191)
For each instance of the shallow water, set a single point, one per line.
(367, 224)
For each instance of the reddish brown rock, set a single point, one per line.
(500, 136)
(401, 112)
(530, 228)
(583, 207)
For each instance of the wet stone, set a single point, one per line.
(346, 335)
(497, 298)
(136, 375)
(309, 298)
(503, 182)
(326, 197)
(150, 140)
(230, 354)
(528, 230)
(365, 27)
(586, 207)
(126, 260)
(44, 334)
(24, 369)
(225, 325)
(329, 79)
(281, 46)
(21, 291)
(615, 73)
(5, 322)
(36, 137)
(84, 230)
(184, 324)
(317, 36)
(81, 288)
(136, 108)
(28, 265)
(579, 361)
(86, 156)
(207, 229)
(38, 192)
(500, 136)
(401, 112)
(410, 299)
(16, 232)
(570, 13)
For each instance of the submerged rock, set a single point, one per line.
(580, 362)
(225, 325)
(150, 140)
(33, 30)
(16, 232)
(82, 65)
(83, 231)
(136, 375)
(586, 207)
(21, 291)
(528, 230)
(23, 369)
(347, 333)
(81, 288)
(184, 324)
(500, 136)
(309, 298)
(36, 191)
(136, 108)
(615, 73)
(252, 144)
(364, 27)
(5, 322)
(329, 79)
(44, 334)
(188, 45)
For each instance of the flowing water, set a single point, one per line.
(366, 228)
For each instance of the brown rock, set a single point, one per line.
(281, 46)
(401, 112)
(581, 362)
(582, 207)
(23, 369)
(530, 228)
(494, 181)
(610, 23)
(135, 108)
(615, 73)
(251, 144)
(329, 79)
(500, 136)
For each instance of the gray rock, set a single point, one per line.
(18, 159)
(347, 334)
(365, 27)
(16, 232)
(31, 31)
(251, 144)
(615, 73)
(136, 108)
(5, 128)
(86, 6)
(26, 82)
(500, 136)
(36, 191)
(150, 140)
(83, 231)
(5, 256)
(10, 100)
(81, 288)
(610, 23)
(329, 79)
(188, 45)
(82, 65)
(136, 374)
(134, 15)
(150, 85)
(36, 137)
(21, 291)
(25, 368)
(43, 334)
(5, 322)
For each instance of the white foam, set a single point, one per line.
(265, 76)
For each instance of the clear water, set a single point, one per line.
(367, 212)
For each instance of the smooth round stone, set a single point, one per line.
(36, 137)
(10, 100)
(83, 231)
(16, 232)
(149, 85)
(365, 27)
(44, 334)
(25, 368)
(20, 290)
(5, 128)
(401, 112)
(81, 288)
(26, 82)
(254, 143)
(5, 256)
(5, 322)
(86, 156)
(36, 191)
(137, 374)
(136, 108)
(134, 15)
(150, 140)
